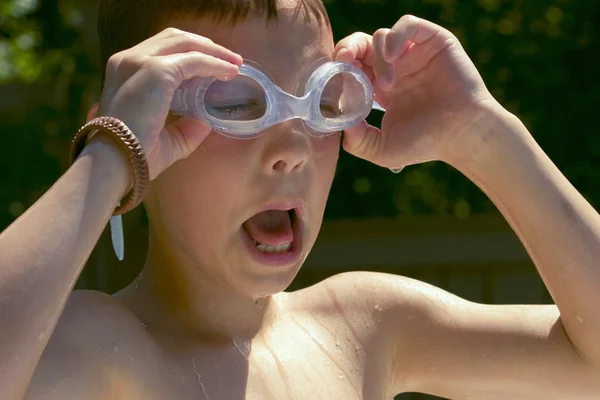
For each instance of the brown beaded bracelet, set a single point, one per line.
(128, 143)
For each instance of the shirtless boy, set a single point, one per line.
(189, 326)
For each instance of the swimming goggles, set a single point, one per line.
(334, 97)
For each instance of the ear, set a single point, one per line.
(93, 112)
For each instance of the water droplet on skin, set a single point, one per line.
(341, 376)
(259, 302)
(579, 319)
(337, 343)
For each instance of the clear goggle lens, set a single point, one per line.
(343, 97)
(241, 99)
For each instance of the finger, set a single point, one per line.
(187, 134)
(368, 71)
(172, 41)
(355, 47)
(411, 30)
(111, 69)
(190, 65)
(363, 141)
(384, 71)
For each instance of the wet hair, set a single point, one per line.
(124, 23)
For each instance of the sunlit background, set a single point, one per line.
(538, 57)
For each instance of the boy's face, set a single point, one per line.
(202, 208)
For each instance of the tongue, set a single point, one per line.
(272, 228)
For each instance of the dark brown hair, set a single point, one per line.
(124, 23)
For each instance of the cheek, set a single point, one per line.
(200, 193)
(327, 152)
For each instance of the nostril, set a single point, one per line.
(300, 164)
(280, 165)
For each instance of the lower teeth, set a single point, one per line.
(272, 249)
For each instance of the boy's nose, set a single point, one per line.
(287, 148)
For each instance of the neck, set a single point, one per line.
(178, 298)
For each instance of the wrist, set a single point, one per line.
(111, 160)
(126, 142)
(491, 135)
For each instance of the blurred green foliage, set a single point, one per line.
(539, 58)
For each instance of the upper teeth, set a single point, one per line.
(272, 249)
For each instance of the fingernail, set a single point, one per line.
(384, 82)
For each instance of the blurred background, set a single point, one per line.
(538, 57)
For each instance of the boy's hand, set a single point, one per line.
(432, 92)
(139, 87)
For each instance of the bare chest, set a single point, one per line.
(266, 375)
(286, 365)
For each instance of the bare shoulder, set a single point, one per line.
(363, 311)
(96, 318)
(425, 339)
(365, 293)
(82, 356)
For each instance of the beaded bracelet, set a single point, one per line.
(130, 145)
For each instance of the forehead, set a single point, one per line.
(285, 47)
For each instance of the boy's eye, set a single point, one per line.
(330, 109)
(244, 110)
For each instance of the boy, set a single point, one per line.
(231, 222)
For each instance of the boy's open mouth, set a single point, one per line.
(272, 231)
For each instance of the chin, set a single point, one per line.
(263, 285)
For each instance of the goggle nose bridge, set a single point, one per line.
(290, 106)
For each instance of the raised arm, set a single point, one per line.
(557, 226)
(458, 349)
(43, 252)
(438, 108)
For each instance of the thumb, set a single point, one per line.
(192, 133)
(364, 141)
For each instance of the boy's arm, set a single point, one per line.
(558, 227)
(43, 253)
(438, 108)
(458, 349)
